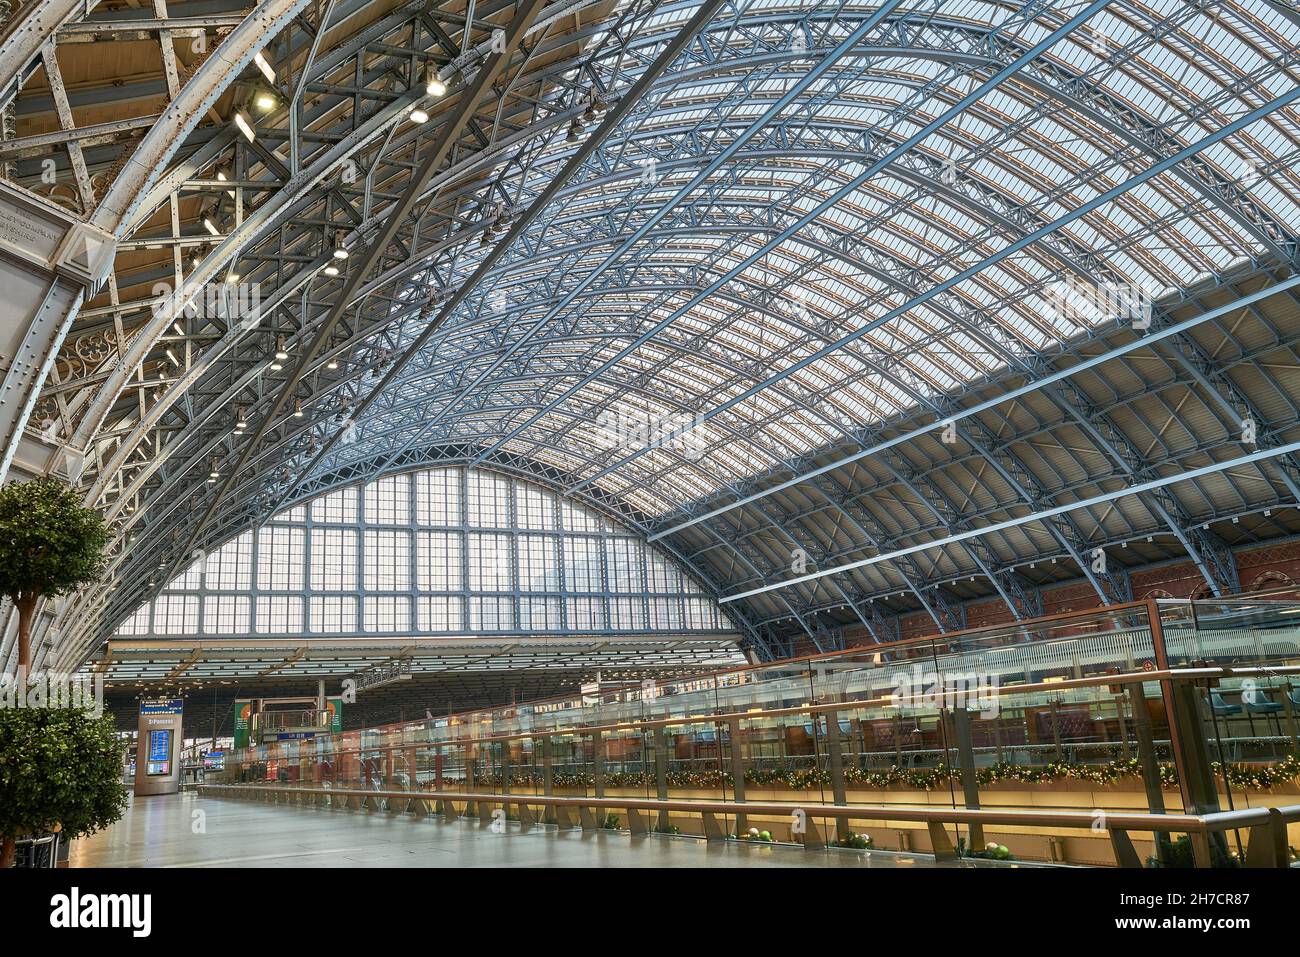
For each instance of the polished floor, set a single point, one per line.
(184, 830)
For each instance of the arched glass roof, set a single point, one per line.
(812, 230)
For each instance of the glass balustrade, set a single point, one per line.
(1015, 708)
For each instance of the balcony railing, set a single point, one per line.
(1177, 705)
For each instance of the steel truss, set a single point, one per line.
(783, 284)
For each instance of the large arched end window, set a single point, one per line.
(438, 551)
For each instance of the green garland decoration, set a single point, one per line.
(1251, 776)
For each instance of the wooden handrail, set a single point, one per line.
(1037, 817)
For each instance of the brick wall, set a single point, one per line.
(1269, 566)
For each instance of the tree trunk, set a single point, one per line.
(26, 612)
(26, 606)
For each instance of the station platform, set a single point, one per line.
(186, 830)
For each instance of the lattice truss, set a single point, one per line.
(822, 226)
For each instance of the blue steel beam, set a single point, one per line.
(712, 165)
(1038, 516)
(872, 170)
(633, 96)
(1144, 342)
(1222, 133)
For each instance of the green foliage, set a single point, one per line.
(861, 842)
(1178, 854)
(993, 851)
(928, 779)
(59, 766)
(610, 823)
(49, 543)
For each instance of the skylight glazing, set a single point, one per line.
(430, 552)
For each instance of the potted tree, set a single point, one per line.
(50, 544)
(59, 768)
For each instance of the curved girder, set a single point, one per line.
(212, 266)
(1025, 436)
(894, 273)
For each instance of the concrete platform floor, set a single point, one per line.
(184, 830)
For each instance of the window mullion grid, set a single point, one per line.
(621, 577)
(359, 561)
(467, 612)
(513, 523)
(254, 583)
(412, 557)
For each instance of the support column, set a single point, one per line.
(737, 771)
(835, 758)
(548, 777)
(966, 762)
(1146, 748)
(1193, 758)
(661, 773)
(598, 762)
(1288, 710)
(1055, 713)
(469, 777)
(1123, 726)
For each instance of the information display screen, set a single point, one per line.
(160, 753)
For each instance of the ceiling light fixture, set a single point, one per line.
(418, 115)
(245, 125)
(595, 108)
(433, 84)
(268, 71)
